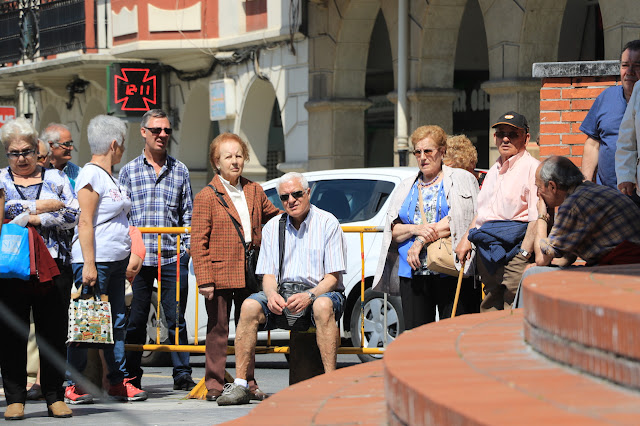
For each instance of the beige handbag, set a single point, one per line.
(439, 253)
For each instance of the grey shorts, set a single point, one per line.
(337, 298)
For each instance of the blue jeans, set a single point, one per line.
(111, 278)
(140, 304)
(336, 297)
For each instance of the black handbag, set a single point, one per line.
(300, 321)
(252, 281)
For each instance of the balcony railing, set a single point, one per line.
(61, 25)
(10, 46)
(40, 28)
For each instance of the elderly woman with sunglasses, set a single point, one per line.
(46, 196)
(229, 211)
(439, 202)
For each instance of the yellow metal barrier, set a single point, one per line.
(197, 348)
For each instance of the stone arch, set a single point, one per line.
(253, 126)
(621, 23)
(92, 108)
(436, 47)
(352, 36)
(49, 115)
(540, 33)
(192, 143)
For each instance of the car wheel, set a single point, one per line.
(156, 358)
(374, 331)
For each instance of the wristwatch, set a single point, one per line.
(311, 296)
(524, 253)
(544, 216)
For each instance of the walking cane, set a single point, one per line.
(455, 301)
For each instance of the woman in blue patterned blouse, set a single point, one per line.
(46, 197)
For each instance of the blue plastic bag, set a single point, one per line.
(14, 252)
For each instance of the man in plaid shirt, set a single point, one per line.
(161, 196)
(595, 222)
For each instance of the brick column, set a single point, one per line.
(568, 91)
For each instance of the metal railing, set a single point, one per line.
(198, 348)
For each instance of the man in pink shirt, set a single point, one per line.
(504, 226)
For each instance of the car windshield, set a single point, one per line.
(349, 200)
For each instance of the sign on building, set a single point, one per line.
(133, 89)
(7, 113)
(222, 99)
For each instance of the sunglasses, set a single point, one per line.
(296, 195)
(510, 135)
(41, 157)
(419, 152)
(26, 154)
(158, 130)
(67, 144)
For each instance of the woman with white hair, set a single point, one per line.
(46, 198)
(101, 252)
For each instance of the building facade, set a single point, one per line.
(310, 84)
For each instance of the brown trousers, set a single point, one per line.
(500, 288)
(218, 311)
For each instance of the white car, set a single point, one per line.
(357, 197)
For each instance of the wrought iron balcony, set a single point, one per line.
(38, 28)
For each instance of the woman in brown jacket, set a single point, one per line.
(218, 253)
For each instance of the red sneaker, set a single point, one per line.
(73, 395)
(126, 391)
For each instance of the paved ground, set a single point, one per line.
(166, 406)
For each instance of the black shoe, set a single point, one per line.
(35, 393)
(185, 383)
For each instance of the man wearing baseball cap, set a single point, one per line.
(503, 230)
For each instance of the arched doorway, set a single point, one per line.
(471, 108)
(581, 35)
(192, 145)
(256, 127)
(380, 117)
(92, 109)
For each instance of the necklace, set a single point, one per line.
(423, 183)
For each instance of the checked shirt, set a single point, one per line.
(591, 222)
(163, 200)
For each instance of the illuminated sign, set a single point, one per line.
(7, 113)
(133, 89)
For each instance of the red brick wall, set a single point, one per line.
(564, 102)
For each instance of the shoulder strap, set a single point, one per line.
(281, 239)
(233, 219)
(18, 189)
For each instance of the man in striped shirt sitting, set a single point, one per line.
(315, 254)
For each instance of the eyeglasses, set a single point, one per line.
(510, 135)
(419, 152)
(296, 195)
(42, 157)
(158, 130)
(26, 154)
(67, 144)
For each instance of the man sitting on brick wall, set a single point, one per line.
(504, 227)
(594, 222)
(603, 120)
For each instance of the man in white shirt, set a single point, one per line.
(315, 254)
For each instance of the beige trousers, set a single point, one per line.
(500, 288)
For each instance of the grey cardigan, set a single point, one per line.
(461, 190)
